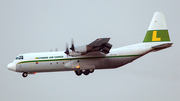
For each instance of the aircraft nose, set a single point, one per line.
(11, 66)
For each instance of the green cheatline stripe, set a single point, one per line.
(163, 34)
(63, 59)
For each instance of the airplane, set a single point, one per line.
(96, 55)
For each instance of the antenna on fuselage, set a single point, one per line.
(56, 49)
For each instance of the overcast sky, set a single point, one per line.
(41, 25)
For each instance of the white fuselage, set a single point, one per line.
(59, 61)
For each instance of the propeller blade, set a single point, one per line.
(67, 49)
(72, 45)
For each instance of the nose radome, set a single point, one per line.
(11, 66)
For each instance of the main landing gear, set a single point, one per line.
(85, 72)
(25, 74)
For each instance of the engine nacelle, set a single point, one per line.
(82, 49)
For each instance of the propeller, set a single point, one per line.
(67, 49)
(72, 45)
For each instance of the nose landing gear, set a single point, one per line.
(25, 74)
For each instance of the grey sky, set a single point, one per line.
(41, 25)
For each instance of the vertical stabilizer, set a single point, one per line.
(157, 31)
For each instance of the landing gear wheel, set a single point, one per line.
(78, 72)
(91, 70)
(86, 72)
(25, 74)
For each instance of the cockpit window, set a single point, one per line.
(19, 57)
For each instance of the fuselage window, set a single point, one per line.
(20, 57)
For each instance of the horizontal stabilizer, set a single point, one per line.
(162, 46)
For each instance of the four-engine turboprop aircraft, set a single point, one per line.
(96, 55)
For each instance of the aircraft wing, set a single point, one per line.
(100, 44)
